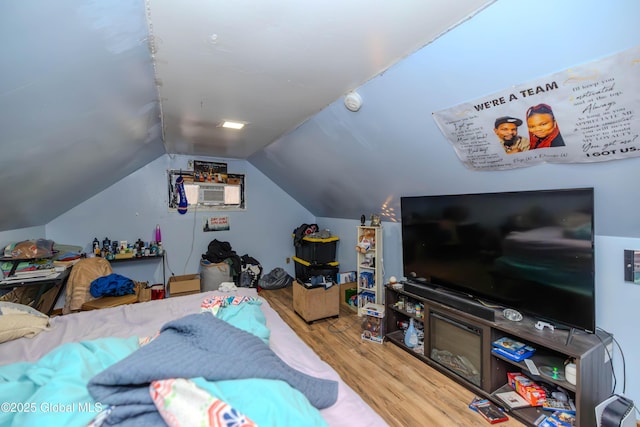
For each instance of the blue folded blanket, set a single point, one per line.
(197, 345)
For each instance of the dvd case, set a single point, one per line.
(489, 411)
(517, 356)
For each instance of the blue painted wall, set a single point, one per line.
(131, 208)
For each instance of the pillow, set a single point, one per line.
(19, 320)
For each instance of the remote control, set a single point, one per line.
(532, 367)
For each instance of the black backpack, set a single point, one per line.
(302, 231)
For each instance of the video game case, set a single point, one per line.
(551, 404)
(559, 419)
(512, 346)
(489, 411)
(516, 357)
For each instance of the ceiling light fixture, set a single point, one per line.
(232, 125)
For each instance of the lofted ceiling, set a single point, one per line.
(92, 91)
(274, 63)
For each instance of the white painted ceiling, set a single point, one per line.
(93, 90)
(275, 63)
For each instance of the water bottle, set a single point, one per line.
(411, 336)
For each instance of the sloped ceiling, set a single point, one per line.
(78, 102)
(274, 63)
(93, 90)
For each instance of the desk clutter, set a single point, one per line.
(123, 249)
(33, 259)
(35, 271)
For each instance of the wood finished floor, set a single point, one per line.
(403, 390)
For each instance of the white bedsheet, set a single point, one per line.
(145, 319)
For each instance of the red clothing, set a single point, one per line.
(554, 139)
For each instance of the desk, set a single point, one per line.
(44, 293)
(145, 258)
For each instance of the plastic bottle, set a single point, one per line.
(158, 234)
(411, 336)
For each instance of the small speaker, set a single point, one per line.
(463, 304)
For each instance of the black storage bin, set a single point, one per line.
(317, 251)
(305, 270)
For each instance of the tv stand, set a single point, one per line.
(458, 332)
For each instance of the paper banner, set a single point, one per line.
(591, 112)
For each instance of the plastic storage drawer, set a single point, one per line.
(305, 270)
(317, 251)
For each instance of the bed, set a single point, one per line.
(283, 373)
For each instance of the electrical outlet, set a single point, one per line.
(287, 260)
(608, 353)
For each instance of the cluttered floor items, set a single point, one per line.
(222, 264)
(557, 407)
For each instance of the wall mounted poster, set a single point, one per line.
(216, 223)
(587, 113)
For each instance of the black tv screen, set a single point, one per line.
(532, 251)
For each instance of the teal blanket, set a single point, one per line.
(54, 390)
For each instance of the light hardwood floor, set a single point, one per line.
(403, 390)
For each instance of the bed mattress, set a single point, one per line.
(146, 319)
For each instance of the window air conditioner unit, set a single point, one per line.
(218, 194)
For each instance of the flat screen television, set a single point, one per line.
(532, 251)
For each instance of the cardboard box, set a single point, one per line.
(144, 291)
(526, 388)
(373, 325)
(184, 285)
(346, 291)
(315, 303)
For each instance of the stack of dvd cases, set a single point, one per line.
(512, 349)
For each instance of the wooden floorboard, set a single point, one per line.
(399, 387)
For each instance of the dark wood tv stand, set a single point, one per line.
(590, 352)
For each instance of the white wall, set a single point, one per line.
(131, 208)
